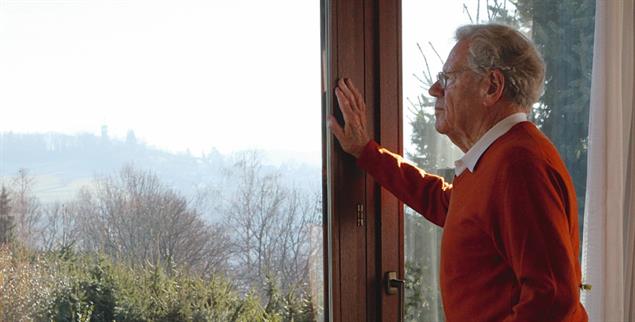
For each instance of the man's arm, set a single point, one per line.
(423, 192)
(426, 193)
(533, 232)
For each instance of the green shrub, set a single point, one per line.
(68, 286)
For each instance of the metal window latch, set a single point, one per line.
(360, 215)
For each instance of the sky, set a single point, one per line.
(184, 75)
(187, 74)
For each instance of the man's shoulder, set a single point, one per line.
(524, 140)
(523, 144)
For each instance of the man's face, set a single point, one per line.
(456, 103)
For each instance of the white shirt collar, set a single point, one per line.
(471, 157)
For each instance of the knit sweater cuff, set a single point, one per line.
(368, 154)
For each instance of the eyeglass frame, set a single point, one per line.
(443, 77)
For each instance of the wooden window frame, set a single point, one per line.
(361, 40)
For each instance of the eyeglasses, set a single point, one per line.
(442, 77)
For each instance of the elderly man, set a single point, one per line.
(510, 240)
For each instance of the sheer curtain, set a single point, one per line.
(608, 232)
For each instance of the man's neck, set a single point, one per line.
(466, 140)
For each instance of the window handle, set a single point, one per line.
(394, 285)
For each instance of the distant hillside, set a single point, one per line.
(62, 163)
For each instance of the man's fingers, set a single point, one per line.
(343, 86)
(351, 111)
(352, 93)
(356, 94)
(345, 104)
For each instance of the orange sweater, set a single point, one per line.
(510, 239)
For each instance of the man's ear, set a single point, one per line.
(495, 83)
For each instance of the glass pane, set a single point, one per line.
(160, 160)
(563, 31)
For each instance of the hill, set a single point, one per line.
(61, 164)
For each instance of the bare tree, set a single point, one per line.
(26, 209)
(134, 218)
(59, 228)
(270, 226)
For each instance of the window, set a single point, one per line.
(206, 116)
(563, 32)
(161, 160)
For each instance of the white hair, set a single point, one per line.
(504, 48)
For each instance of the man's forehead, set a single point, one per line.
(457, 54)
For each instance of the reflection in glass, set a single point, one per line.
(146, 174)
(563, 31)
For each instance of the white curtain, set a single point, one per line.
(608, 232)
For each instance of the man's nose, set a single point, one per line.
(436, 90)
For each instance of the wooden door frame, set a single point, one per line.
(362, 41)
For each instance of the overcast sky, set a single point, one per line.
(186, 74)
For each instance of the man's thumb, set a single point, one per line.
(335, 127)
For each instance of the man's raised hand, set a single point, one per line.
(353, 137)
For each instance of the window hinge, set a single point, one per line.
(360, 215)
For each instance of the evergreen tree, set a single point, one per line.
(563, 31)
(6, 219)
